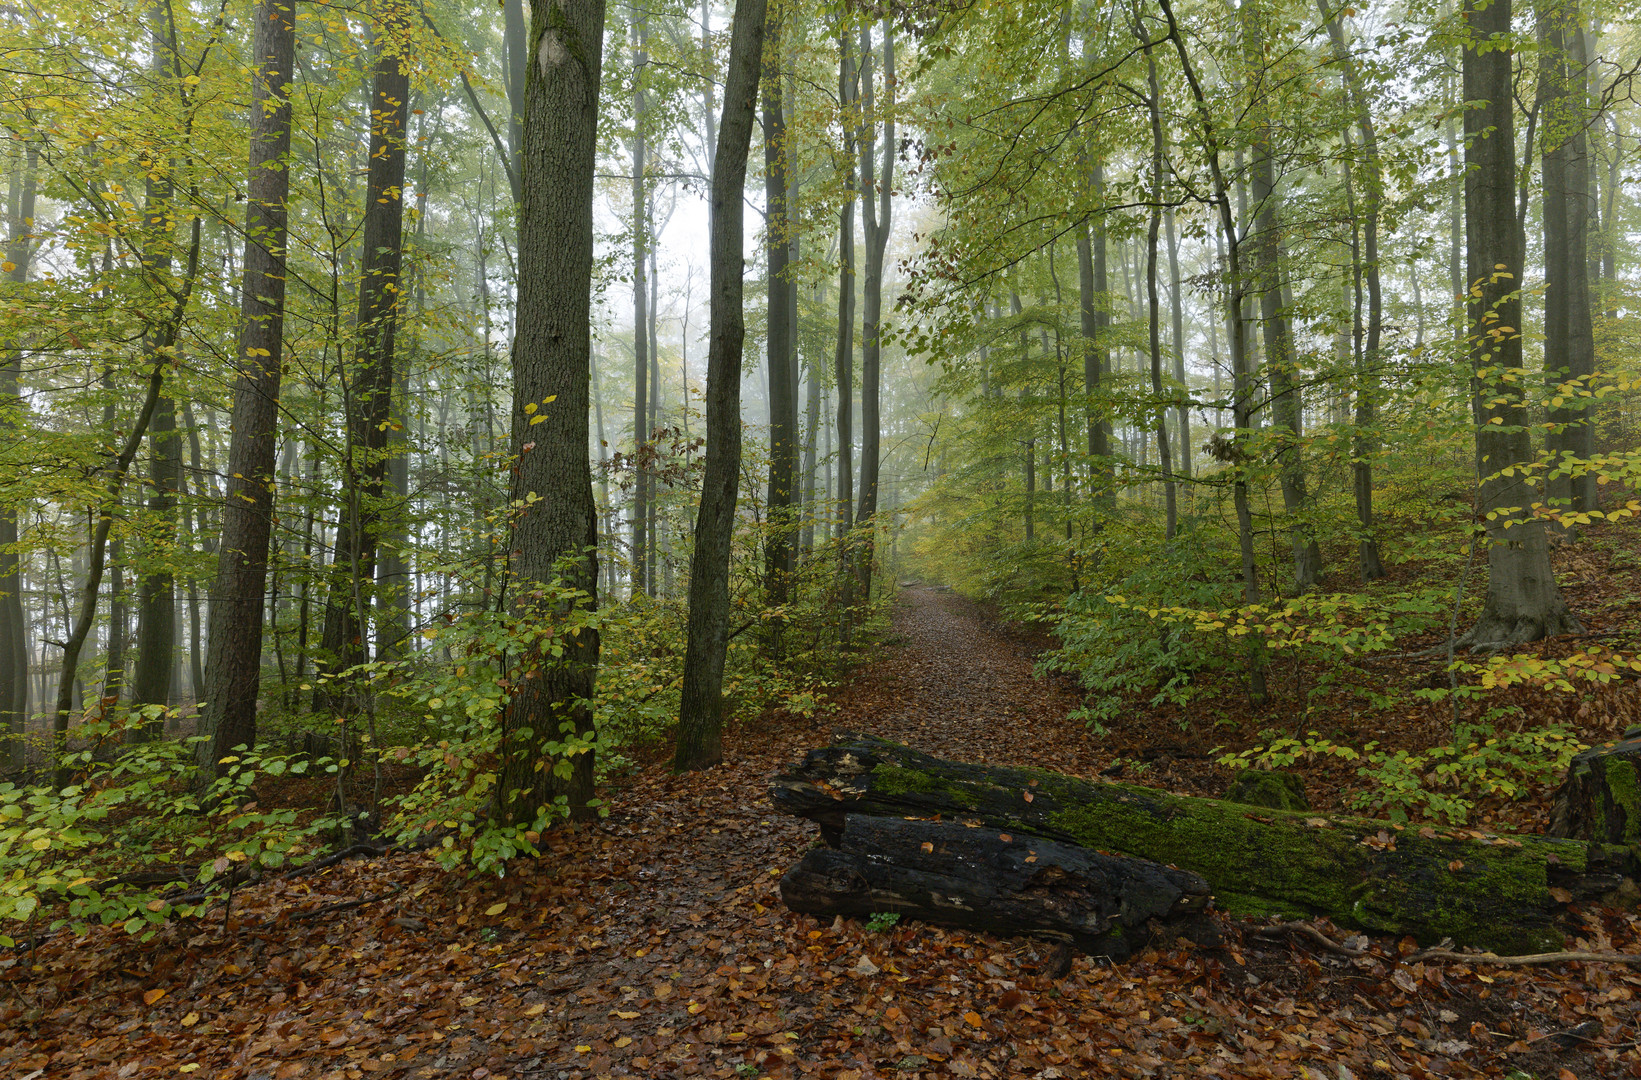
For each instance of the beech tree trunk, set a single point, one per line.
(1499, 892)
(14, 688)
(848, 106)
(555, 529)
(701, 707)
(233, 667)
(1523, 602)
(364, 508)
(782, 329)
(641, 585)
(875, 186)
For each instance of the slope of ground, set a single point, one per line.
(654, 945)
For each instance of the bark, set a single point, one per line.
(365, 510)
(781, 338)
(1281, 358)
(700, 720)
(1153, 300)
(548, 717)
(640, 315)
(876, 185)
(516, 76)
(1600, 799)
(233, 667)
(1523, 603)
(14, 689)
(1569, 331)
(994, 882)
(1177, 312)
(1498, 892)
(844, 365)
(1364, 443)
(1242, 389)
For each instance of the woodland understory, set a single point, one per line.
(456, 457)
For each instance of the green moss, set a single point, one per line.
(1624, 787)
(1270, 788)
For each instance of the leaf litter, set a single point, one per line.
(654, 944)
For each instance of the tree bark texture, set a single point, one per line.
(555, 530)
(875, 184)
(364, 508)
(844, 361)
(1523, 602)
(233, 667)
(995, 882)
(14, 688)
(701, 707)
(641, 583)
(1497, 892)
(781, 337)
(1600, 799)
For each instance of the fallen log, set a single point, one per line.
(983, 879)
(1601, 797)
(1499, 892)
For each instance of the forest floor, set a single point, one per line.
(654, 944)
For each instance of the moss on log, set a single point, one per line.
(1601, 798)
(983, 879)
(1504, 893)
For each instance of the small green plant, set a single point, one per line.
(882, 922)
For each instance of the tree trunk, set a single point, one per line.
(365, 509)
(1364, 441)
(782, 327)
(233, 668)
(1569, 332)
(547, 735)
(875, 185)
(1153, 300)
(848, 107)
(640, 312)
(701, 706)
(14, 658)
(1600, 799)
(995, 882)
(1177, 305)
(1498, 892)
(1523, 603)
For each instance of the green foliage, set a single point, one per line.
(1442, 783)
(882, 922)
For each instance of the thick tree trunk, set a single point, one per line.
(1498, 892)
(701, 707)
(1523, 603)
(1177, 312)
(555, 531)
(782, 329)
(995, 882)
(1154, 300)
(364, 506)
(233, 667)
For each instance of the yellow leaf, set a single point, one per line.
(534, 420)
(151, 996)
(41, 844)
(530, 408)
(623, 1041)
(583, 1049)
(535, 1010)
(190, 1020)
(188, 1068)
(8, 266)
(626, 1015)
(695, 1007)
(972, 1019)
(496, 909)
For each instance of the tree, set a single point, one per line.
(780, 548)
(876, 184)
(368, 388)
(14, 693)
(700, 718)
(555, 530)
(233, 670)
(1523, 602)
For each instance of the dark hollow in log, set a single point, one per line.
(1504, 893)
(1601, 798)
(982, 879)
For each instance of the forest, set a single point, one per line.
(480, 483)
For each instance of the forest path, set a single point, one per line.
(654, 944)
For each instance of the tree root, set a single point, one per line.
(1528, 960)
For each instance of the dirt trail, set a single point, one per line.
(654, 945)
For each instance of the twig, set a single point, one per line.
(1305, 929)
(1528, 960)
(347, 905)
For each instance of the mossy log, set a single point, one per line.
(1504, 893)
(984, 879)
(1601, 798)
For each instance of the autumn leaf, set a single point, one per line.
(496, 909)
(151, 996)
(972, 1019)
